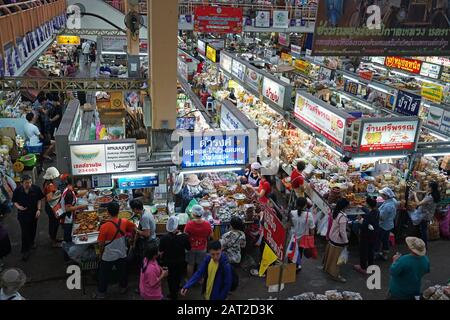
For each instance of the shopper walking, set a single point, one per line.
(407, 271)
(11, 281)
(27, 199)
(199, 232)
(216, 272)
(302, 225)
(151, 275)
(234, 241)
(146, 231)
(113, 251)
(427, 208)
(297, 179)
(173, 247)
(49, 188)
(388, 212)
(369, 226)
(338, 241)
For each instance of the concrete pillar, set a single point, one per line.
(162, 35)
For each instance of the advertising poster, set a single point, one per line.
(253, 79)
(215, 149)
(434, 118)
(430, 70)
(406, 28)
(273, 91)
(407, 103)
(262, 19)
(405, 64)
(238, 70)
(389, 136)
(445, 124)
(432, 92)
(201, 47)
(322, 120)
(225, 62)
(69, 40)
(280, 19)
(274, 232)
(211, 53)
(209, 19)
(283, 39)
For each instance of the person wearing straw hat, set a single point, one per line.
(52, 197)
(388, 213)
(191, 190)
(173, 247)
(408, 270)
(11, 281)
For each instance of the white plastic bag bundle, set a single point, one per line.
(343, 258)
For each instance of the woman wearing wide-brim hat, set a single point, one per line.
(52, 197)
(191, 190)
(408, 270)
(11, 281)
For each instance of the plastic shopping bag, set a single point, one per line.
(417, 216)
(343, 258)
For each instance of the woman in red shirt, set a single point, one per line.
(50, 189)
(264, 189)
(297, 179)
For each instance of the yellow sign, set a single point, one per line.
(286, 58)
(268, 258)
(211, 54)
(68, 40)
(302, 65)
(433, 92)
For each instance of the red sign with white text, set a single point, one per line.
(274, 232)
(389, 136)
(367, 75)
(210, 19)
(409, 65)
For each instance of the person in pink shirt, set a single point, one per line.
(151, 276)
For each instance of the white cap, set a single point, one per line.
(256, 166)
(172, 224)
(387, 192)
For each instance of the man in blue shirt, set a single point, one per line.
(407, 271)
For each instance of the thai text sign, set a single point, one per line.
(211, 19)
(274, 232)
(403, 64)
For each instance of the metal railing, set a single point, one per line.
(296, 11)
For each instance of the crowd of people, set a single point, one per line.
(186, 254)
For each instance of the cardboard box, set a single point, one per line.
(273, 274)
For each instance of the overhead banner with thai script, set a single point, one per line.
(353, 28)
(211, 19)
(319, 118)
(393, 135)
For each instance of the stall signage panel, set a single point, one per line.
(68, 40)
(103, 158)
(407, 103)
(201, 47)
(141, 182)
(215, 149)
(209, 19)
(183, 68)
(324, 74)
(102, 181)
(228, 121)
(445, 124)
(280, 19)
(322, 120)
(430, 70)
(253, 79)
(367, 75)
(283, 39)
(274, 232)
(238, 70)
(273, 91)
(405, 64)
(114, 43)
(302, 65)
(225, 62)
(262, 19)
(389, 136)
(379, 60)
(433, 92)
(351, 87)
(211, 53)
(296, 51)
(439, 60)
(434, 118)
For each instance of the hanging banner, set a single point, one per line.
(253, 79)
(407, 103)
(273, 231)
(443, 61)
(406, 28)
(322, 120)
(430, 70)
(434, 118)
(211, 53)
(262, 19)
(201, 47)
(69, 40)
(433, 92)
(393, 135)
(445, 124)
(280, 19)
(209, 19)
(213, 149)
(400, 63)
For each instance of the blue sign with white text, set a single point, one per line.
(132, 182)
(215, 150)
(407, 103)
